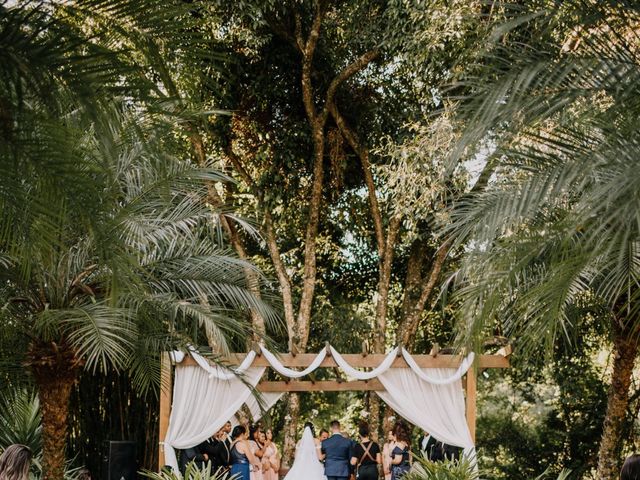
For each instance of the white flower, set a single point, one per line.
(287, 418)
(314, 412)
(365, 414)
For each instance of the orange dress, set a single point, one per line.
(270, 463)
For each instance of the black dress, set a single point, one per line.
(367, 467)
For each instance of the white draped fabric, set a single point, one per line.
(438, 409)
(201, 406)
(449, 375)
(288, 372)
(267, 399)
(223, 373)
(353, 373)
(367, 375)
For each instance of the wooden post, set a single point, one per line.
(471, 402)
(166, 387)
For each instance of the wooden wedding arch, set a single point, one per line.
(356, 360)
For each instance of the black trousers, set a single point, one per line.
(337, 478)
(368, 472)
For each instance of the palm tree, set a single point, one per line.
(560, 222)
(109, 251)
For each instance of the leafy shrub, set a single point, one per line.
(424, 469)
(192, 472)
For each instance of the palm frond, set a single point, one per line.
(20, 419)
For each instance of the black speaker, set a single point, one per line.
(119, 461)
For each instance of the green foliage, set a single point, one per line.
(192, 472)
(544, 413)
(20, 419)
(424, 469)
(560, 220)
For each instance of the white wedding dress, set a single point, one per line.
(306, 465)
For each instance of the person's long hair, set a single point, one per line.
(15, 462)
(401, 432)
(631, 468)
(237, 431)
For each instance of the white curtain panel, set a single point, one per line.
(202, 404)
(438, 409)
(268, 400)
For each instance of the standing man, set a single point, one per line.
(430, 447)
(337, 452)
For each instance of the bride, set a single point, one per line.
(307, 463)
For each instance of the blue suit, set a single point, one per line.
(338, 451)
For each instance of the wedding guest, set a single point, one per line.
(210, 448)
(271, 458)
(400, 453)
(430, 447)
(242, 459)
(15, 462)
(257, 448)
(192, 454)
(222, 451)
(324, 434)
(386, 455)
(631, 468)
(226, 434)
(366, 455)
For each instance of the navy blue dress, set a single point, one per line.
(398, 471)
(240, 467)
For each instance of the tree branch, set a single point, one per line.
(412, 321)
(239, 167)
(363, 155)
(349, 71)
(308, 48)
(384, 280)
(281, 272)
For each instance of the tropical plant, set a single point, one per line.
(192, 472)
(109, 251)
(425, 469)
(560, 222)
(20, 419)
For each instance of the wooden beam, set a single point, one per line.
(322, 385)
(372, 360)
(166, 387)
(471, 388)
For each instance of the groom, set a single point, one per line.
(336, 451)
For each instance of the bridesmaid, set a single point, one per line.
(257, 448)
(271, 458)
(386, 455)
(242, 457)
(400, 454)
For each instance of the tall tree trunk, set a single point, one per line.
(55, 369)
(625, 350)
(409, 325)
(291, 429)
